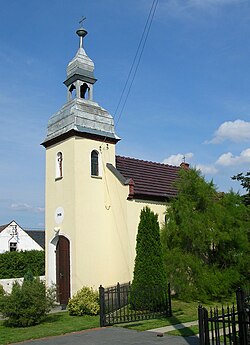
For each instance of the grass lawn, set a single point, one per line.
(54, 324)
(61, 323)
(182, 312)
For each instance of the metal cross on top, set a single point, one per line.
(81, 32)
(83, 18)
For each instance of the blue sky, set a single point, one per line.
(191, 95)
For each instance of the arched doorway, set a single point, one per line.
(63, 270)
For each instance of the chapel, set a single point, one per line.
(93, 196)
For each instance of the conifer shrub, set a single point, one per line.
(27, 304)
(149, 285)
(84, 302)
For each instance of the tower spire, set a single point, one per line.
(81, 114)
(81, 32)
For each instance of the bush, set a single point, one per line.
(27, 304)
(85, 301)
(16, 264)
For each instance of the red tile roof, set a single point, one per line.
(153, 181)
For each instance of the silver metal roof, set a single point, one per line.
(82, 116)
(81, 62)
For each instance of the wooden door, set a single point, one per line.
(63, 270)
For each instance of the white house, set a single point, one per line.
(14, 238)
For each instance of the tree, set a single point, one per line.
(245, 183)
(149, 270)
(205, 239)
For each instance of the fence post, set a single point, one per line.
(118, 296)
(241, 316)
(102, 306)
(203, 325)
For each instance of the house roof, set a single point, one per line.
(2, 227)
(38, 236)
(153, 181)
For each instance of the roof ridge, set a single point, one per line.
(4, 226)
(151, 162)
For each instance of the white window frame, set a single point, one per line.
(99, 164)
(59, 165)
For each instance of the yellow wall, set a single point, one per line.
(59, 193)
(99, 221)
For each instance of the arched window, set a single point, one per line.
(83, 89)
(94, 163)
(59, 165)
(72, 91)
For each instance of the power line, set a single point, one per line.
(136, 61)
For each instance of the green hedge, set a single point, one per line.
(17, 264)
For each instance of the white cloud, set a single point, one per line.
(178, 158)
(26, 207)
(39, 209)
(203, 3)
(207, 169)
(236, 131)
(182, 5)
(228, 159)
(20, 207)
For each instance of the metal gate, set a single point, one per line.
(229, 325)
(119, 304)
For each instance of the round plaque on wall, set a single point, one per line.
(59, 215)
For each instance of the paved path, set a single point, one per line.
(174, 327)
(114, 336)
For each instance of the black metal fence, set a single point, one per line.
(230, 325)
(120, 304)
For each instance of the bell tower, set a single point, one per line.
(80, 141)
(80, 72)
(81, 114)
